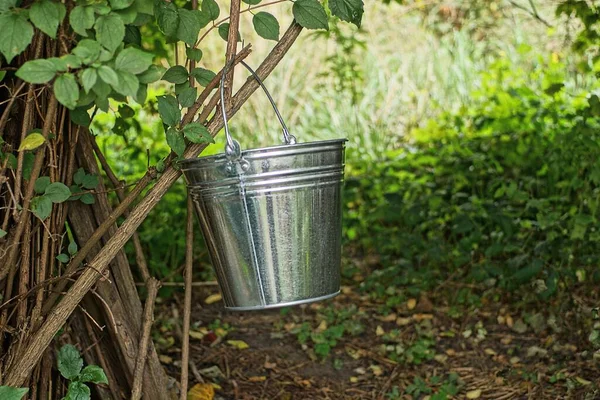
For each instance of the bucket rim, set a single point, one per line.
(196, 161)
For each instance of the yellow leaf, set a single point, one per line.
(165, 359)
(198, 335)
(213, 298)
(379, 331)
(582, 381)
(238, 344)
(32, 141)
(201, 391)
(353, 379)
(411, 304)
(257, 378)
(474, 394)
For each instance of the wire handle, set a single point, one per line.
(233, 150)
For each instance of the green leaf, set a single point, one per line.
(167, 17)
(41, 207)
(154, 73)
(78, 176)
(176, 74)
(88, 78)
(193, 54)
(78, 391)
(88, 199)
(47, 15)
(71, 61)
(348, 10)
(266, 25)
(203, 76)
(66, 90)
(108, 75)
(211, 8)
(81, 19)
(224, 32)
(187, 96)
(2, 234)
(80, 116)
(90, 181)
(16, 35)
(197, 133)
(41, 184)
(63, 258)
(69, 361)
(2, 75)
(132, 35)
(12, 393)
(169, 111)
(189, 26)
(120, 4)
(57, 192)
(175, 141)
(252, 2)
(133, 60)
(94, 374)
(128, 84)
(142, 93)
(110, 31)
(126, 111)
(72, 248)
(6, 5)
(87, 51)
(60, 65)
(32, 141)
(37, 71)
(310, 14)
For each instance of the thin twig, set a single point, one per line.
(136, 392)
(187, 303)
(533, 11)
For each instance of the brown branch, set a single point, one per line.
(187, 303)
(140, 258)
(232, 38)
(6, 113)
(97, 235)
(10, 260)
(40, 340)
(189, 115)
(153, 286)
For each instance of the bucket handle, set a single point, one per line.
(233, 150)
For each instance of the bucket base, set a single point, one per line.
(286, 304)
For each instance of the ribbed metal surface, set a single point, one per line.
(272, 222)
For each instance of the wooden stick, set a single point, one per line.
(187, 303)
(40, 340)
(153, 286)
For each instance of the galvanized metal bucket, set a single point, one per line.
(271, 218)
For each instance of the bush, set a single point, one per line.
(505, 191)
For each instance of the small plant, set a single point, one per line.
(70, 365)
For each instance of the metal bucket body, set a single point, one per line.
(272, 222)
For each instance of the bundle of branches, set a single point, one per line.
(64, 279)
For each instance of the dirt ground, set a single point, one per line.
(491, 351)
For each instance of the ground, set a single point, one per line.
(353, 347)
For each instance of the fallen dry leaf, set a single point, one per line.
(403, 321)
(379, 331)
(411, 304)
(474, 394)
(257, 378)
(421, 317)
(201, 391)
(376, 369)
(582, 381)
(322, 326)
(165, 359)
(213, 298)
(388, 318)
(353, 379)
(489, 352)
(238, 344)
